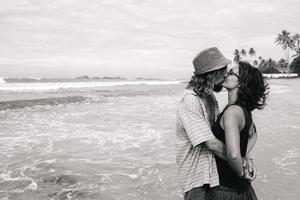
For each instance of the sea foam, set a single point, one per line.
(75, 85)
(2, 80)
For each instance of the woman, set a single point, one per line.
(246, 91)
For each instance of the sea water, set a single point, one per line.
(117, 141)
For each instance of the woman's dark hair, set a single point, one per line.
(203, 84)
(253, 90)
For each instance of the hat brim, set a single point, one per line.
(222, 64)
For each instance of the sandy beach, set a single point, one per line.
(117, 142)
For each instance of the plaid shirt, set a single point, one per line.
(196, 164)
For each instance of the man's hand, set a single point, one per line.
(249, 169)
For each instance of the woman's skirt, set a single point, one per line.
(225, 193)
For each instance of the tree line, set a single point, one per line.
(288, 42)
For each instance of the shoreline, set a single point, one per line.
(281, 76)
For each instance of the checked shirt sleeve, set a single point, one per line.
(193, 120)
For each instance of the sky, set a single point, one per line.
(134, 38)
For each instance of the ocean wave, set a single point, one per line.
(128, 93)
(18, 104)
(28, 80)
(25, 87)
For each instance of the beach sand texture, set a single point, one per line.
(118, 143)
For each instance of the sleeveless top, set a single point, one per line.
(227, 176)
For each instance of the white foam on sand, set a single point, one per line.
(283, 75)
(288, 161)
(22, 182)
(74, 85)
(2, 80)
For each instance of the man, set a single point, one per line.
(197, 110)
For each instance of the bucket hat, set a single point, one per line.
(208, 60)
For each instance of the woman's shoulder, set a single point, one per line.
(234, 112)
(233, 109)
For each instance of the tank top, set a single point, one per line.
(227, 176)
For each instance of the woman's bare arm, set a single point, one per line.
(232, 119)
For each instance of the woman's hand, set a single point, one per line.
(249, 169)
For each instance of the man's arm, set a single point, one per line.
(217, 147)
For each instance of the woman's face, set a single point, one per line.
(232, 78)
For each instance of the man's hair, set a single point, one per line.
(203, 84)
(253, 90)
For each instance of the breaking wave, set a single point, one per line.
(24, 87)
(17, 104)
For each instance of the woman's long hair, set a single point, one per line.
(203, 84)
(253, 90)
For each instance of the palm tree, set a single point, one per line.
(251, 51)
(237, 56)
(261, 65)
(243, 52)
(284, 39)
(255, 62)
(281, 60)
(268, 66)
(236, 52)
(282, 65)
(296, 40)
(271, 66)
(260, 59)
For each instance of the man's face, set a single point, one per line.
(219, 79)
(218, 88)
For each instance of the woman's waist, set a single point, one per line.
(228, 178)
